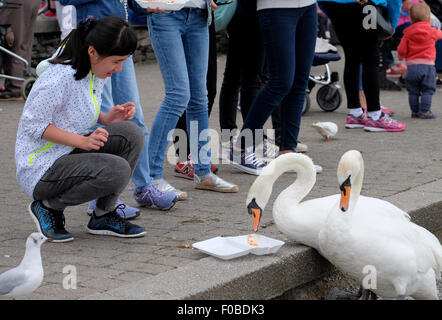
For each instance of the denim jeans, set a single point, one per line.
(120, 88)
(289, 37)
(180, 40)
(421, 86)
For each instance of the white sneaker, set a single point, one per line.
(163, 185)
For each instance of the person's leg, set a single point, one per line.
(22, 24)
(291, 107)
(165, 31)
(196, 48)
(251, 61)
(347, 23)
(82, 176)
(413, 82)
(428, 90)
(228, 99)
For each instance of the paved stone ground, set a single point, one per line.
(395, 162)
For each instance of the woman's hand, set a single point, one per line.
(9, 37)
(118, 113)
(214, 6)
(95, 140)
(156, 10)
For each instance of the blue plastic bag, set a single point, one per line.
(224, 14)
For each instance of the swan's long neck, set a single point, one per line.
(261, 189)
(356, 189)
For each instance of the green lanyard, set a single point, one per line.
(91, 91)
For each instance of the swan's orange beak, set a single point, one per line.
(256, 212)
(345, 194)
(345, 199)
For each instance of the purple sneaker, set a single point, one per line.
(150, 195)
(127, 212)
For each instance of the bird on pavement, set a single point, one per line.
(28, 275)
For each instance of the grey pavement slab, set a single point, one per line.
(405, 168)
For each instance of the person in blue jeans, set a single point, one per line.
(180, 40)
(289, 29)
(120, 88)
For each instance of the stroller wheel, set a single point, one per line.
(328, 98)
(306, 105)
(27, 86)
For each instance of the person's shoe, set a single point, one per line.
(384, 123)
(43, 7)
(148, 196)
(185, 169)
(414, 115)
(426, 115)
(215, 184)
(393, 72)
(49, 222)
(111, 224)
(49, 15)
(247, 162)
(164, 186)
(399, 66)
(301, 147)
(353, 122)
(127, 212)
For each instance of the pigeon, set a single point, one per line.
(326, 129)
(28, 275)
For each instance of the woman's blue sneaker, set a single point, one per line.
(112, 224)
(49, 222)
(126, 212)
(148, 196)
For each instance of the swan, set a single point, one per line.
(405, 259)
(300, 220)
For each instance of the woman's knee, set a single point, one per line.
(116, 172)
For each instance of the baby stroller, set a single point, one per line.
(328, 96)
(28, 76)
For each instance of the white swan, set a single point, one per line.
(404, 258)
(301, 221)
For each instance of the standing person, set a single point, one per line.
(180, 40)
(418, 48)
(59, 164)
(184, 167)
(122, 87)
(361, 46)
(22, 21)
(288, 29)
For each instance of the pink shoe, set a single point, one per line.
(385, 123)
(388, 112)
(356, 122)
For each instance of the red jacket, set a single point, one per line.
(419, 41)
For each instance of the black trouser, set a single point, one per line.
(211, 87)
(360, 46)
(245, 71)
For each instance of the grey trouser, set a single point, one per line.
(82, 176)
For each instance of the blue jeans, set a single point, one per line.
(421, 85)
(289, 37)
(120, 88)
(180, 40)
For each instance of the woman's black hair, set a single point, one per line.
(110, 36)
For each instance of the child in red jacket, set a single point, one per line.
(419, 50)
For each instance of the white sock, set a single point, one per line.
(356, 112)
(375, 115)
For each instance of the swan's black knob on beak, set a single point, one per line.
(256, 212)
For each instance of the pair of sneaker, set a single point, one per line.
(383, 124)
(146, 197)
(423, 115)
(51, 223)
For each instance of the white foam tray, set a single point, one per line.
(232, 247)
(164, 5)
